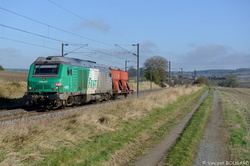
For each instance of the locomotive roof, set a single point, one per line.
(69, 61)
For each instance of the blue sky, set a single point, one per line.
(192, 34)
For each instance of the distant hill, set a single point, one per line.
(242, 71)
(17, 70)
(217, 72)
(243, 75)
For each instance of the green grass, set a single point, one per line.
(157, 124)
(238, 128)
(184, 151)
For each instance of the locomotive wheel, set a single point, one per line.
(70, 101)
(114, 97)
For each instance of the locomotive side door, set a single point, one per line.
(70, 75)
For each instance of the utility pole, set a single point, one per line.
(151, 73)
(138, 69)
(63, 48)
(195, 75)
(81, 46)
(126, 65)
(181, 76)
(169, 73)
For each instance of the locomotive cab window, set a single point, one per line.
(48, 69)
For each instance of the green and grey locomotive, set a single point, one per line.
(57, 81)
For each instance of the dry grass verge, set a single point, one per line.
(94, 136)
(11, 76)
(12, 90)
(144, 85)
(11, 93)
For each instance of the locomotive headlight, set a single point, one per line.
(30, 88)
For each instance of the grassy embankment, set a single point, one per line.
(184, 151)
(11, 93)
(236, 113)
(102, 136)
(12, 87)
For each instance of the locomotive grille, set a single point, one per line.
(38, 86)
(43, 86)
(47, 86)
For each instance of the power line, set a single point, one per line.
(96, 57)
(47, 37)
(31, 33)
(24, 31)
(19, 41)
(98, 26)
(125, 49)
(105, 53)
(59, 29)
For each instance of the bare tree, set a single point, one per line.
(156, 67)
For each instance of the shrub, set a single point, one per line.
(1, 67)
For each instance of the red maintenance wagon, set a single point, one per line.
(120, 83)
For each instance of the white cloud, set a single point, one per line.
(207, 53)
(213, 56)
(98, 24)
(9, 50)
(148, 47)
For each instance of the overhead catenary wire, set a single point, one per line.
(51, 38)
(90, 22)
(102, 52)
(56, 28)
(53, 27)
(31, 33)
(23, 42)
(99, 58)
(124, 49)
(75, 49)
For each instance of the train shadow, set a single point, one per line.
(20, 103)
(11, 104)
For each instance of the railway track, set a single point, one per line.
(22, 113)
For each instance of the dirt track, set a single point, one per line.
(213, 149)
(158, 154)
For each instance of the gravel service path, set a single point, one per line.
(158, 154)
(213, 149)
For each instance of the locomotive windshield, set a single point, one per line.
(48, 69)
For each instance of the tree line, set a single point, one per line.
(156, 69)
